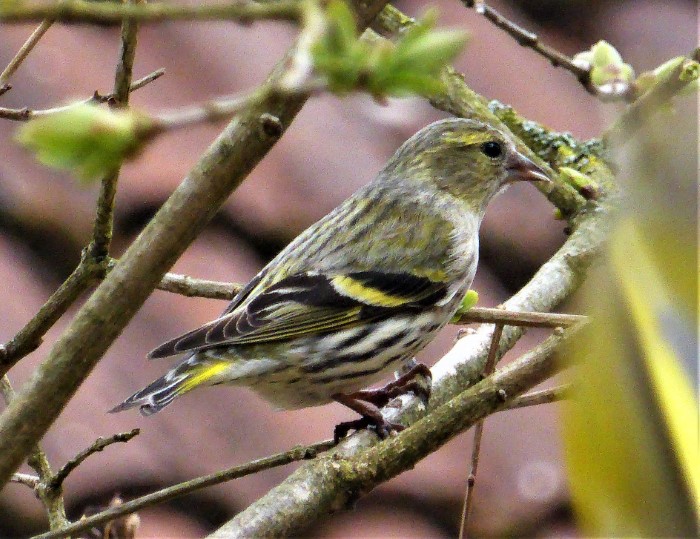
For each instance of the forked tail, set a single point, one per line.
(183, 378)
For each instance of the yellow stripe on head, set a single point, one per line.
(471, 138)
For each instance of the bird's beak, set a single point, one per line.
(520, 168)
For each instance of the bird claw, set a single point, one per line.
(382, 427)
(405, 383)
(379, 398)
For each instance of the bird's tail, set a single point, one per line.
(186, 376)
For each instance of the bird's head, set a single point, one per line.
(465, 158)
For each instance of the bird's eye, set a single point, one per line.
(491, 149)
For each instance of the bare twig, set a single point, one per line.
(516, 318)
(478, 434)
(25, 114)
(532, 41)
(22, 54)
(104, 218)
(32, 481)
(84, 11)
(543, 396)
(203, 288)
(98, 445)
(30, 336)
(293, 455)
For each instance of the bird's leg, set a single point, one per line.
(370, 417)
(403, 384)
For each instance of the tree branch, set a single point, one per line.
(98, 445)
(52, 499)
(104, 220)
(530, 40)
(640, 112)
(84, 11)
(544, 396)
(115, 301)
(339, 479)
(30, 336)
(293, 455)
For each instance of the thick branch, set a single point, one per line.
(105, 12)
(331, 483)
(105, 314)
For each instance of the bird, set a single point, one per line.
(360, 292)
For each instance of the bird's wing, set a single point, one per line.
(311, 303)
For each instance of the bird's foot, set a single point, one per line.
(403, 384)
(371, 417)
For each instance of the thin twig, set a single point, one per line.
(293, 455)
(98, 445)
(516, 318)
(543, 396)
(22, 54)
(203, 288)
(25, 114)
(104, 218)
(106, 12)
(478, 433)
(32, 481)
(530, 40)
(223, 108)
(30, 336)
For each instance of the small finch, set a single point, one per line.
(361, 291)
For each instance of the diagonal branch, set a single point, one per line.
(293, 455)
(101, 319)
(22, 54)
(529, 39)
(98, 445)
(332, 482)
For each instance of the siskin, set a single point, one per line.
(361, 291)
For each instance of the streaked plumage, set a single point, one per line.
(365, 288)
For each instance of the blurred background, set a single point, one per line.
(334, 146)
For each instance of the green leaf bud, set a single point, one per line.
(471, 298)
(88, 139)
